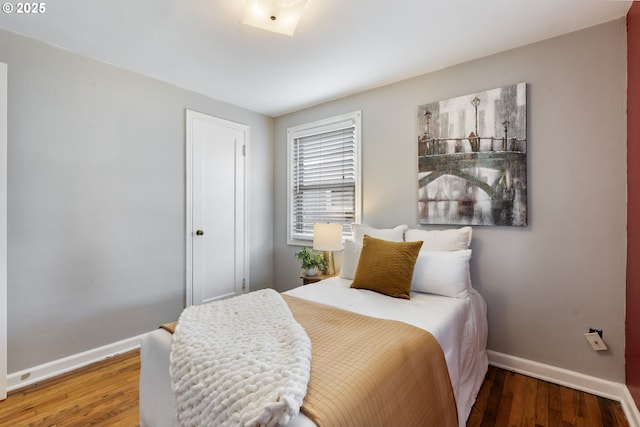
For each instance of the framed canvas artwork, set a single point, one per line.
(472, 159)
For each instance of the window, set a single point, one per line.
(324, 175)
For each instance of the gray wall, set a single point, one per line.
(96, 201)
(547, 283)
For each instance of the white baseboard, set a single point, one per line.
(576, 380)
(23, 378)
(630, 409)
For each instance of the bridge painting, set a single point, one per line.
(472, 159)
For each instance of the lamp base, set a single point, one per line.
(328, 256)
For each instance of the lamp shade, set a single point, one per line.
(327, 237)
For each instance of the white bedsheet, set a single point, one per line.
(459, 325)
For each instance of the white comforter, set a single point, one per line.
(459, 325)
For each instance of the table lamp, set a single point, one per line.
(328, 238)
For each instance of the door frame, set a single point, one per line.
(3, 230)
(191, 115)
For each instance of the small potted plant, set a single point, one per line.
(310, 261)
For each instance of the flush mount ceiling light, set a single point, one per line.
(278, 16)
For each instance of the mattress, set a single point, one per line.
(458, 324)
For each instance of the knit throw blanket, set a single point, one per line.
(243, 361)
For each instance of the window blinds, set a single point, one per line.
(323, 177)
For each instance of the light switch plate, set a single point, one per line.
(597, 343)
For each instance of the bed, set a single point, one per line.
(457, 321)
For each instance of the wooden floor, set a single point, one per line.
(510, 399)
(102, 394)
(106, 394)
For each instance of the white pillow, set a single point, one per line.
(441, 240)
(350, 258)
(442, 273)
(395, 234)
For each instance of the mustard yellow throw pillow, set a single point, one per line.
(386, 267)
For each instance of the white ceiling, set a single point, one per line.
(341, 47)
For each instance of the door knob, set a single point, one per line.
(199, 233)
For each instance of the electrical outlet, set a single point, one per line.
(598, 331)
(596, 341)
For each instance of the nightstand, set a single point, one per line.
(313, 279)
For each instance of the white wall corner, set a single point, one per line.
(17, 380)
(576, 380)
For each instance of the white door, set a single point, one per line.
(216, 208)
